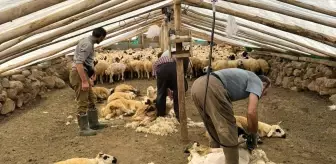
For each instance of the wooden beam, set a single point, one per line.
(180, 75)
(251, 32)
(310, 49)
(328, 21)
(323, 38)
(38, 42)
(285, 56)
(310, 7)
(25, 8)
(56, 15)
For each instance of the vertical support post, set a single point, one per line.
(180, 75)
(143, 43)
(165, 36)
(162, 38)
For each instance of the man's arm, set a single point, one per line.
(81, 72)
(252, 115)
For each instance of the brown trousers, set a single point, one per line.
(218, 116)
(84, 99)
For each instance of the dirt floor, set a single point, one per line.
(39, 134)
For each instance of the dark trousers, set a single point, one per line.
(166, 78)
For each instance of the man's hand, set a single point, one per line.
(85, 85)
(94, 77)
(91, 82)
(170, 94)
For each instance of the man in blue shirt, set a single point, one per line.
(225, 86)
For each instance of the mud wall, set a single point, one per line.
(31, 83)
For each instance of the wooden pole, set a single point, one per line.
(310, 7)
(323, 38)
(143, 43)
(328, 21)
(180, 75)
(22, 9)
(310, 48)
(64, 12)
(162, 38)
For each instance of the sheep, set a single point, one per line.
(251, 65)
(200, 154)
(264, 129)
(125, 95)
(126, 88)
(101, 158)
(138, 67)
(102, 93)
(148, 67)
(264, 67)
(121, 106)
(116, 68)
(100, 67)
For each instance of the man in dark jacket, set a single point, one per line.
(165, 71)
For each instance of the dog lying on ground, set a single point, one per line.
(100, 159)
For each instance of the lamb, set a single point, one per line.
(126, 88)
(100, 68)
(121, 106)
(102, 93)
(101, 158)
(118, 95)
(264, 130)
(116, 68)
(200, 154)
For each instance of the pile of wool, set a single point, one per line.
(162, 126)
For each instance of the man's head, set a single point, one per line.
(99, 34)
(266, 84)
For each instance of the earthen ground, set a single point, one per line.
(38, 133)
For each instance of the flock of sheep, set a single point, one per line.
(111, 65)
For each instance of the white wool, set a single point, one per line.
(162, 126)
(332, 107)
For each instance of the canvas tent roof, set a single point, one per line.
(302, 26)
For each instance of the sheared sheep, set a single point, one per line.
(118, 95)
(148, 68)
(264, 67)
(138, 67)
(251, 65)
(101, 158)
(200, 154)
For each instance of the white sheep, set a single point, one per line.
(116, 69)
(100, 68)
(101, 158)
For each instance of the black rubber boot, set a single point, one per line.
(93, 119)
(84, 126)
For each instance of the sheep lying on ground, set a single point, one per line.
(118, 95)
(100, 159)
(126, 88)
(200, 154)
(122, 106)
(102, 93)
(264, 129)
(151, 92)
(116, 69)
